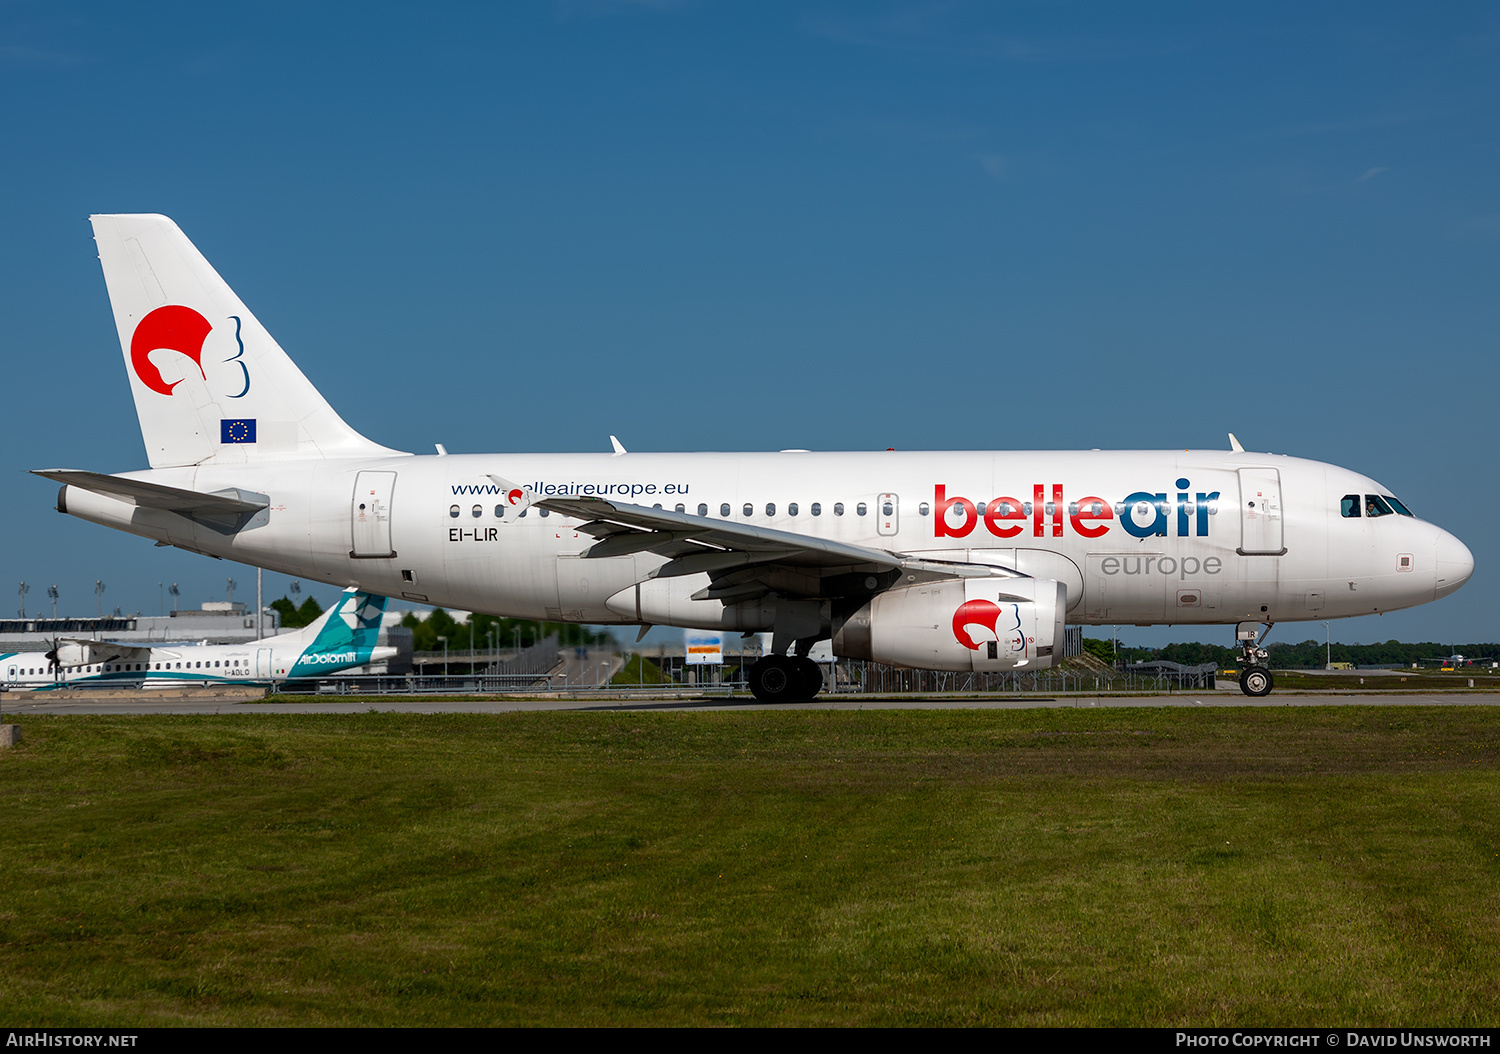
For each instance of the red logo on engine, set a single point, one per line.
(176, 328)
(975, 613)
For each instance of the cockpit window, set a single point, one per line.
(1402, 509)
(1375, 506)
(1349, 507)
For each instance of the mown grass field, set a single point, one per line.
(1257, 866)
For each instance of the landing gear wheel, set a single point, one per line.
(773, 679)
(1256, 681)
(811, 677)
(785, 679)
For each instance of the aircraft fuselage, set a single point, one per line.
(1136, 536)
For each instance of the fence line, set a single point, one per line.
(844, 677)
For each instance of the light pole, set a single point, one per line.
(230, 590)
(52, 592)
(99, 595)
(174, 591)
(1327, 645)
(445, 655)
(22, 594)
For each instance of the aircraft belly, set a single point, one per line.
(585, 586)
(668, 602)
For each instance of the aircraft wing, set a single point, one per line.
(743, 561)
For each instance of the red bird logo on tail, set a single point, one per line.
(176, 328)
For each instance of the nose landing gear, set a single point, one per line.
(1256, 679)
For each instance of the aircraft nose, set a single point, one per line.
(1454, 563)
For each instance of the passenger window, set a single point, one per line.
(770, 508)
(923, 509)
(702, 509)
(816, 509)
(681, 507)
(860, 509)
(791, 510)
(1375, 506)
(499, 512)
(838, 508)
(477, 512)
(1349, 507)
(887, 509)
(749, 509)
(453, 511)
(724, 509)
(544, 512)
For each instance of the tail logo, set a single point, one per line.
(175, 328)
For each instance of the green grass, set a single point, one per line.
(1257, 866)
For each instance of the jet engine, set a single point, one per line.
(987, 625)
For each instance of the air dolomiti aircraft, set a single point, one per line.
(951, 561)
(342, 637)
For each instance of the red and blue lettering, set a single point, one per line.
(1142, 514)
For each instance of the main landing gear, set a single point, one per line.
(785, 679)
(1255, 673)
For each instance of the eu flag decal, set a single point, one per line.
(238, 430)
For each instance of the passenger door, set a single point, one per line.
(1261, 522)
(371, 515)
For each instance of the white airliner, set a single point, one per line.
(342, 637)
(951, 561)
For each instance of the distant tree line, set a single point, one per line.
(1310, 654)
(508, 633)
(294, 617)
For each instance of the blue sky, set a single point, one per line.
(766, 225)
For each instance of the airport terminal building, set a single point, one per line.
(217, 622)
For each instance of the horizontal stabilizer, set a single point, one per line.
(157, 496)
(225, 511)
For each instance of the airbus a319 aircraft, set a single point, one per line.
(341, 638)
(939, 560)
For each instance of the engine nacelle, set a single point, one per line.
(71, 653)
(987, 625)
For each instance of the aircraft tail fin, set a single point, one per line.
(353, 621)
(210, 384)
